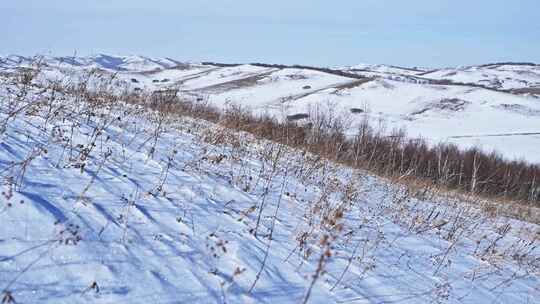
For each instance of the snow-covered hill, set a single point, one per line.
(506, 76)
(104, 201)
(101, 61)
(495, 107)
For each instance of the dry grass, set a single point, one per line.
(418, 173)
(444, 166)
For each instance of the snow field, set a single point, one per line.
(104, 201)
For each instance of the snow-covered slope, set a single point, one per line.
(107, 202)
(498, 76)
(433, 104)
(519, 77)
(102, 61)
(463, 115)
(388, 69)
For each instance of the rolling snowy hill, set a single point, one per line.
(506, 76)
(495, 107)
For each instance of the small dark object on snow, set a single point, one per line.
(8, 298)
(95, 286)
(297, 116)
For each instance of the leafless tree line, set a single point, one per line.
(390, 154)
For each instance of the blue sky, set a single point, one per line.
(412, 33)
